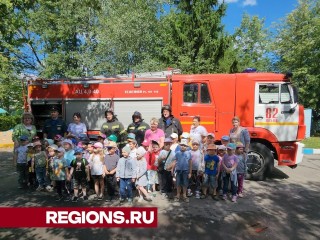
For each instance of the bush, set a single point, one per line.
(8, 122)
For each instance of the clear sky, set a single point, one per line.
(271, 10)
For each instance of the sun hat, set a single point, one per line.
(141, 151)
(184, 142)
(174, 135)
(102, 135)
(78, 151)
(231, 146)
(53, 146)
(145, 143)
(98, 145)
(113, 138)
(126, 149)
(222, 147)
(49, 141)
(68, 141)
(111, 144)
(61, 149)
(131, 136)
(225, 138)
(195, 141)
(240, 145)
(211, 134)
(23, 138)
(185, 135)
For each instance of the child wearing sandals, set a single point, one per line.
(183, 167)
(96, 161)
(141, 178)
(241, 168)
(211, 172)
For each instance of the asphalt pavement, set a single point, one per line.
(285, 206)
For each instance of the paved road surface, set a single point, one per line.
(283, 207)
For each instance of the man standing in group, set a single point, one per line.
(138, 127)
(168, 123)
(113, 126)
(54, 125)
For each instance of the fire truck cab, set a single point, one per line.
(266, 103)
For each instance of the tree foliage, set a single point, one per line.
(250, 45)
(192, 36)
(297, 47)
(57, 38)
(128, 34)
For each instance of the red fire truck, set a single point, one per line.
(265, 102)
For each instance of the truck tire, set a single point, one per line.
(259, 161)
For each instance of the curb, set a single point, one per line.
(310, 151)
(6, 145)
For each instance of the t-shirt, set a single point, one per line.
(79, 168)
(229, 160)
(242, 165)
(211, 164)
(133, 154)
(77, 129)
(170, 159)
(53, 127)
(198, 132)
(96, 165)
(156, 135)
(22, 154)
(183, 159)
(196, 157)
(111, 161)
(40, 159)
(59, 169)
(152, 160)
(69, 156)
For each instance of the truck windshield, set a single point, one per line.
(276, 93)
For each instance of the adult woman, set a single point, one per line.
(155, 133)
(239, 134)
(197, 131)
(25, 128)
(77, 129)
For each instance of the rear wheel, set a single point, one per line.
(259, 161)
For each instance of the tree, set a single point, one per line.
(192, 36)
(250, 45)
(128, 35)
(12, 16)
(62, 36)
(297, 48)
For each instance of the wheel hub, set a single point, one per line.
(254, 162)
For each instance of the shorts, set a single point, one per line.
(182, 178)
(97, 177)
(209, 181)
(79, 182)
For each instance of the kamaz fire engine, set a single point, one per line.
(267, 104)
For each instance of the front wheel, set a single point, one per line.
(259, 161)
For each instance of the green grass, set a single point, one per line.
(312, 142)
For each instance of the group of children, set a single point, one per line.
(189, 167)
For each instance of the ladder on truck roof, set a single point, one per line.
(145, 76)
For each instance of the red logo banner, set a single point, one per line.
(79, 217)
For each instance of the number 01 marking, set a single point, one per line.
(271, 112)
